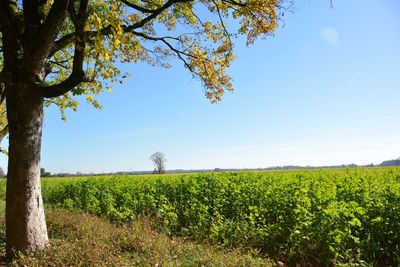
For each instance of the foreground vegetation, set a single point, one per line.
(319, 217)
(80, 239)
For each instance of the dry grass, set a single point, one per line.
(79, 239)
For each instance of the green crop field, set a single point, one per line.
(320, 217)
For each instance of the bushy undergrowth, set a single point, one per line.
(80, 239)
(321, 217)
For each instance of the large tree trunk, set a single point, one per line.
(25, 220)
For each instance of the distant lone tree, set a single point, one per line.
(159, 162)
(2, 173)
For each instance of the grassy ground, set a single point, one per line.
(79, 239)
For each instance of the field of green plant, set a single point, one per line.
(318, 217)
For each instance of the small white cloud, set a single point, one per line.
(330, 35)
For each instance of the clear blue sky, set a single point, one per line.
(324, 90)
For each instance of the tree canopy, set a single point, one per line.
(76, 46)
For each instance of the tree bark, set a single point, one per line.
(25, 219)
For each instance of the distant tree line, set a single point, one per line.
(393, 162)
(159, 160)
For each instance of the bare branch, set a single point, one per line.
(197, 17)
(179, 53)
(61, 43)
(235, 3)
(60, 64)
(155, 14)
(138, 8)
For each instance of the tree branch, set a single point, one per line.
(72, 13)
(138, 8)
(69, 38)
(47, 33)
(59, 89)
(78, 75)
(8, 14)
(225, 30)
(235, 3)
(178, 52)
(83, 37)
(10, 28)
(59, 64)
(33, 15)
(154, 14)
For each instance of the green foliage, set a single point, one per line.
(321, 217)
